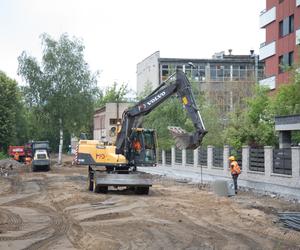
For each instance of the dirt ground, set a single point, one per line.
(54, 210)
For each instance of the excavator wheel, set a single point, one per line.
(142, 190)
(90, 184)
(100, 189)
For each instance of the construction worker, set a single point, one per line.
(16, 156)
(27, 160)
(235, 171)
(136, 145)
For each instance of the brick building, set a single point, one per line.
(281, 20)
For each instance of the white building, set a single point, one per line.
(106, 119)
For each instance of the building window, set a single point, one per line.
(178, 67)
(220, 72)
(227, 72)
(280, 1)
(188, 71)
(291, 58)
(286, 26)
(164, 72)
(242, 72)
(285, 60)
(213, 72)
(281, 29)
(198, 73)
(291, 23)
(114, 121)
(280, 62)
(236, 72)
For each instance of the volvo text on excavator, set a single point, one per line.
(116, 165)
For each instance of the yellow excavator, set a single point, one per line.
(116, 165)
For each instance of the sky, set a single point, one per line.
(118, 34)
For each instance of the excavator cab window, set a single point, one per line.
(143, 151)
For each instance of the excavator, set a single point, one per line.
(116, 165)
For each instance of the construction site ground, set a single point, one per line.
(54, 210)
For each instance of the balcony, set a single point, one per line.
(269, 82)
(298, 36)
(267, 17)
(297, 3)
(267, 50)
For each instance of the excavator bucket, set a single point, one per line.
(185, 140)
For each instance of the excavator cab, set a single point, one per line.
(143, 147)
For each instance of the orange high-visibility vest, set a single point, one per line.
(235, 168)
(137, 145)
(16, 157)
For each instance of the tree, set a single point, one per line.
(253, 125)
(287, 100)
(9, 102)
(213, 124)
(61, 89)
(170, 113)
(113, 94)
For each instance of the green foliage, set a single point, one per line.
(287, 101)
(170, 113)
(9, 103)
(253, 125)
(213, 124)
(3, 155)
(148, 88)
(113, 94)
(60, 87)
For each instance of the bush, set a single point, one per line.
(3, 155)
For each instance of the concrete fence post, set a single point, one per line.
(172, 156)
(183, 152)
(210, 156)
(296, 162)
(245, 159)
(268, 152)
(163, 157)
(195, 157)
(226, 152)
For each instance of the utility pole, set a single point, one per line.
(61, 141)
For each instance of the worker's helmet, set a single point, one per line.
(231, 158)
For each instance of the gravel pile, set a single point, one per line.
(10, 164)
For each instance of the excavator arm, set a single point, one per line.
(132, 117)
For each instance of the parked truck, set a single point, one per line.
(40, 155)
(20, 150)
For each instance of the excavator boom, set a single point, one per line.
(181, 87)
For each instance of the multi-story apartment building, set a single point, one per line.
(106, 120)
(281, 20)
(224, 78)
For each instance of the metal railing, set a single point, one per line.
(202, 156)
(189, 156)
(168, 154)
(178, 156)
(159, 156)
(282, 161)
(218, 157)
(257, 159)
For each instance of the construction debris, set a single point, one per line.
(290, 219)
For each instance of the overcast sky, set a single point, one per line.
(118, 34)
